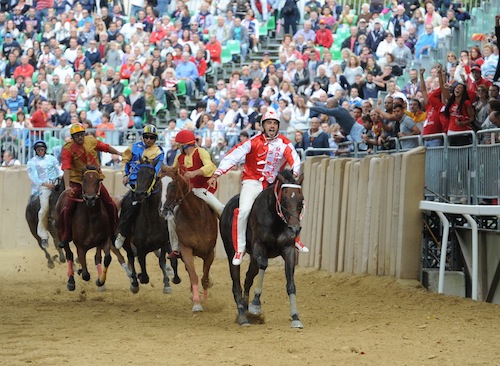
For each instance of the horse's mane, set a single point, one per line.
(288, 175)
(91, 167)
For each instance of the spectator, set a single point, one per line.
(324, 35)
(240, 33)
(291, 16)
(427, 41)
(9, 159)
(186, 70)
(314, 137)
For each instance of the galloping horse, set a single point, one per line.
(273, 225)
(91, 228)
(150, 231)
(31, 215)
(196, 227)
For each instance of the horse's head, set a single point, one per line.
(289, 200)
(175, 192)
(91, 185)
(146, 179)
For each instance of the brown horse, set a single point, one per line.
(31, 215)
(91, 228)
(196, 227)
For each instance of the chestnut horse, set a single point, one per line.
(273, 225)
(196, 227)
(149, 231)
(31, 215)
(91, 228)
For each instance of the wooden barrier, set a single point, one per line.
(362, 216)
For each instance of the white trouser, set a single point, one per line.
(172, 234)
(210, 199)
(250, 189)
(41, 229)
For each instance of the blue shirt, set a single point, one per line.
(132, 167)
(13, 104)
(187, 70)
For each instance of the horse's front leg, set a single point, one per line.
(188, 259)
(143, 276)
(206, 283)
(82, 258)
(134, 284)
(121, 260)
(101, 280)
(162, 261)
(289, 256)
(71, 271)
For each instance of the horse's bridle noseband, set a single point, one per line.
(149, 191)
(279, 207)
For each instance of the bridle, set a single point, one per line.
(151, 187)
(179, 190)
(85, 197)
(279, 207)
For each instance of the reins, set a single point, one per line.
(279, 207)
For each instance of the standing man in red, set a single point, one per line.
(264, 155)
(75, 156)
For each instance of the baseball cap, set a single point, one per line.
(475, 68)
(322, 21)
(8, 35)
(377, 21)
(266, 53)
(362, 20)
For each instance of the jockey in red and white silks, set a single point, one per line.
(264, 155)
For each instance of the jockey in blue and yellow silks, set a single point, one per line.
(142, 150)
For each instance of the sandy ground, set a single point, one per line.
(349, 320)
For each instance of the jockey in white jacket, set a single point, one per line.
(264, 155)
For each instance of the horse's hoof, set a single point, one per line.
(254, 309)
(134, 289)
(101, 288)
(243, 321)
(86, 276)
(143, 279)
(167, 290)
(99, 283)
(297, 324)
(197, 308)
(50, 264)
(176, 280)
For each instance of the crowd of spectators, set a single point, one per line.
(74, 62)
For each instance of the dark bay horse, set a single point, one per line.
(149, 232)
(196, 227)
(31, 215)
(273, 225)
(91, 228)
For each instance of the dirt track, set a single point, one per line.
(356, 320)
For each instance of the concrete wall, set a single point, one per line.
(362, 216)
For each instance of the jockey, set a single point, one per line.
(43, 171)
(145, 149)
(195, 164)
(264, 155)
(75, 156)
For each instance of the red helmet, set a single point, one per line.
(270, 115)
(185, 137)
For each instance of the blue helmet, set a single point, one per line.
(39, 143)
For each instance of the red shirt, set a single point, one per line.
(457, 115)
(40, 119)
(126, 71)
(324, 38)
(215, 50)
(432, 124)
(24, 71)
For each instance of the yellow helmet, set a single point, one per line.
(150, 129)
(75, 128)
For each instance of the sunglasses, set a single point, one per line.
(149, 137)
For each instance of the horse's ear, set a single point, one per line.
(281, 178)
(300, 179)
(168, 170)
